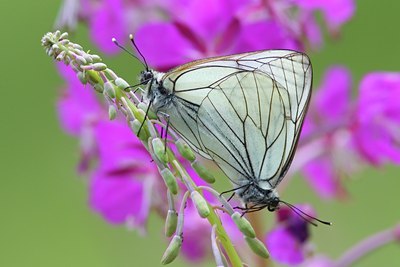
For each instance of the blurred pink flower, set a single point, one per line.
(377, 130)
(205, 30)
(287, 242)
(125, 181)
(77, 106)
(108, 21)
(335, 12)
(326, 125)
(79, 110)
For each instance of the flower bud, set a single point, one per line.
(80, 60)
(122, 84)
(135, 126)
(203, 172)
(76, 46)
(243, 224)
(99, 66)
(112, 112)
(82, 77)
(98, 87)
(96, 58)
(172, 250)
(109, 89)
(171, 222)
(61, 56)
(185, 150)
(170, 180)
(200, 204)
(159, 150)
(142, 106)
(257, 247)
(63, 35)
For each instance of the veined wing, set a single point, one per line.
(244, 111)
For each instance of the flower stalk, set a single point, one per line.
(116, 91)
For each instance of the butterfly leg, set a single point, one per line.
(166, 117)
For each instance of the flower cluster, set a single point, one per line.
(341, 133)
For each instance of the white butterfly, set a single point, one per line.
(243, 111)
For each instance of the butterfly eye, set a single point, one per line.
(146, 76)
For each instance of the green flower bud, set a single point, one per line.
(170, 180)
(172, 250)
(109, 89)
(96, 58)
(81, 60)
(142, 106)
(82, 77)
(203, 172)
(257, 247)
(98, 87)
(200, 204)
(76, 46)
(170, 222)
(122, 84)
(135, 126)
(159, 150)
(63, 35)
(112, 112)
(99, 66)
(185, 150)
(243, 224)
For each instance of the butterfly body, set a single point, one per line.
(244, 112)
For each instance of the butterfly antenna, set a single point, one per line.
(140, 53)
(130, 53)
(308, 218)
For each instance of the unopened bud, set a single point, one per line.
(171, 222)
(98, 66)
(96, 58)
(243, 224)
(257, 247)
(135, 126)
(172, 250)
(142, 106)
(112, 112)
(81, 60)
(159, 150)
(203, 172)
(98, 87)
(200, 204)
(170, 180)
(109, 89)
(185, 150)
(82, 77)
(122, 84)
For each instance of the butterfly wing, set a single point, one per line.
(244, 111)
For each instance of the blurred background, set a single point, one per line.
(45, 220)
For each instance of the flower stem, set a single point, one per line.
(368, 245)
(224, 239)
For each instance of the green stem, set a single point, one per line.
(224, 239)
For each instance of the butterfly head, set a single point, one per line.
(259, 197)
(146, 76)
(156, 93)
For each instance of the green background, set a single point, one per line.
(45, 220)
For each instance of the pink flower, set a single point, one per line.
(107, 21)
(287, 241)
(207, 29)
(335, 12)
(78, 106)
(125, 181)
(327, 126)
(79, 110)
(377, 130)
